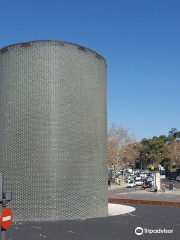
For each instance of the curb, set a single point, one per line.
(147, 202)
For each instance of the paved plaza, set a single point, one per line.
(120, 227)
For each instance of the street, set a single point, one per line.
(116, 191)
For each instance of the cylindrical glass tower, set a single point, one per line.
(53, 143)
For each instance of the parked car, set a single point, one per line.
(129, 179)
(136, 171)
(162, 173)
(149, 184)
(131, 184)
(149, 179)
(138, 181)
(163, 176)
(143, 176)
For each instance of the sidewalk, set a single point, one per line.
(138, 194)
(119, 209)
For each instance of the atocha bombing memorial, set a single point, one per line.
(53, 133)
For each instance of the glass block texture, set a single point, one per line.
(53, 130)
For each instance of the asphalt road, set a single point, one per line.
(110, 228)
(136, 193)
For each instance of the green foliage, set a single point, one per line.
(172, 131)
(176, 135)
(155, 150)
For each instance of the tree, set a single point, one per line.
(174, 152)
(152, 151)
(121, 145)
(172, 131)
(172, 135)
(176, 135)
(125, 150)
(131, 154)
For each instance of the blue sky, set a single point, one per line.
(140, 40)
